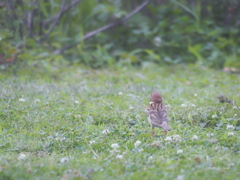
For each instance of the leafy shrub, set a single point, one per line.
(164, 32)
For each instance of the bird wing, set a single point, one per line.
(157, 115)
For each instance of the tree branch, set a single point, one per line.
(29, 23)
(186, 9)
(65, 9)
(55, 22)
(108, 26)
(11, 8)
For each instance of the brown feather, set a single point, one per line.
(157, 113)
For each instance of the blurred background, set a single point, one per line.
(110, 33)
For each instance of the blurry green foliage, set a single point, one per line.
(164, 32)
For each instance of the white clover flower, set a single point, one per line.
(230, 127)
(119, 156)
(131, 107)
(150, 158)
(234, 107)
(92, 142)
(209, 134)
(176, 138)
(156, 143)
(214, 116)
(157, 41)
(137, 143)
(180, 177)
(115, 146)
(213, 141)
(105, 131)
(183, 105)
(195, 95)
(140, 150)
(168, 138)
(230, 133)
(64, 160)
(193, 105)
(120, 93)
(77, 116)
(195, 137)
(76, 102)
(235, 114)
(114, 151)
(37, 100)
(21, 156)
(47, 103)
(22, 100)
(60, 138)
(231, 164)
(179, 151)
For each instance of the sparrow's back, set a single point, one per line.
(157, 113)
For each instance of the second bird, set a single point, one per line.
(157, 113)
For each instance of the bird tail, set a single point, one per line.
(166, 126)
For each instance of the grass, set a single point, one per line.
(61, 125)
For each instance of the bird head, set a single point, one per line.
(156, 98)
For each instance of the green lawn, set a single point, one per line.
(65, 125)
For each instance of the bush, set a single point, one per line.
(163, 32)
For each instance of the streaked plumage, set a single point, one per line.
(157, 113)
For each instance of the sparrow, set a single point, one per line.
(224, 99)
(157, 113)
